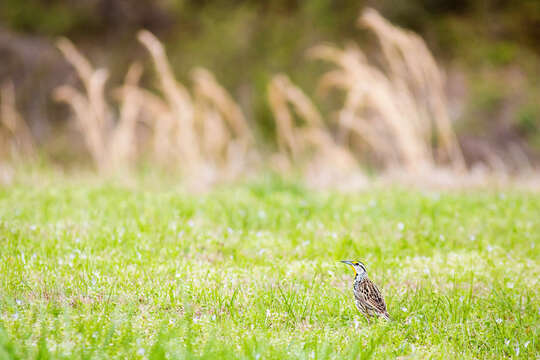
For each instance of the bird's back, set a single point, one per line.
(369, 298)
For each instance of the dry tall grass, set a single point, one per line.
(225, 135)
(109, 139)
(398, 109)
(91, 110)
(395, 109)
(122, 147)
(302, 136)
(179, 103)
(15, 136)
(205, 135)
(210, 132)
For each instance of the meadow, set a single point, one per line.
(251, 271)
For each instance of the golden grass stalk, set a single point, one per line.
(16, 133)
(409, 57)
(285, 130)
(209, 90)
(122, 141)
(224, 131)
(156, 114)
(312, 142)
(93, 80)
(92, 113)
(374, 108)
(110, 140)
(393, 108)
(178, 100)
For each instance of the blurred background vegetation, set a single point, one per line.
(490, 50)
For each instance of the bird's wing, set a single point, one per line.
(371, 296)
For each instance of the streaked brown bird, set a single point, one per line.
(367, 297)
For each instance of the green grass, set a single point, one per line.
(252, 271)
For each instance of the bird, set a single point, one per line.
(367, 296)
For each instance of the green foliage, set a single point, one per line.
(528, 121)
(529, 118)
(45, 17)
(252, 271)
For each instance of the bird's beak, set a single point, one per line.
(349, 263)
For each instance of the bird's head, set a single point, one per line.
(358, 267)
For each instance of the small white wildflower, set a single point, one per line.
(426, 271)
(257, 356)
(334, 235)
(526, 344)
(517, 350)
(33, 227)
(356, 323)
(15, 316)
(472, 237)
(461, 299)
(190, 223)
(140, 352)
(196, 320)
(400, 226)
(171, 321)
(261, 214)
(506, 341)
(510, 285)
(94, 335)
(498, 320)
(229, 230)
(404, 309)
(214, 317)
(489, 248)
(18, 302)
(331, 273)
(259, 234)
(441, 237)
(77, 240)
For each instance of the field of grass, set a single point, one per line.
(252, 272)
